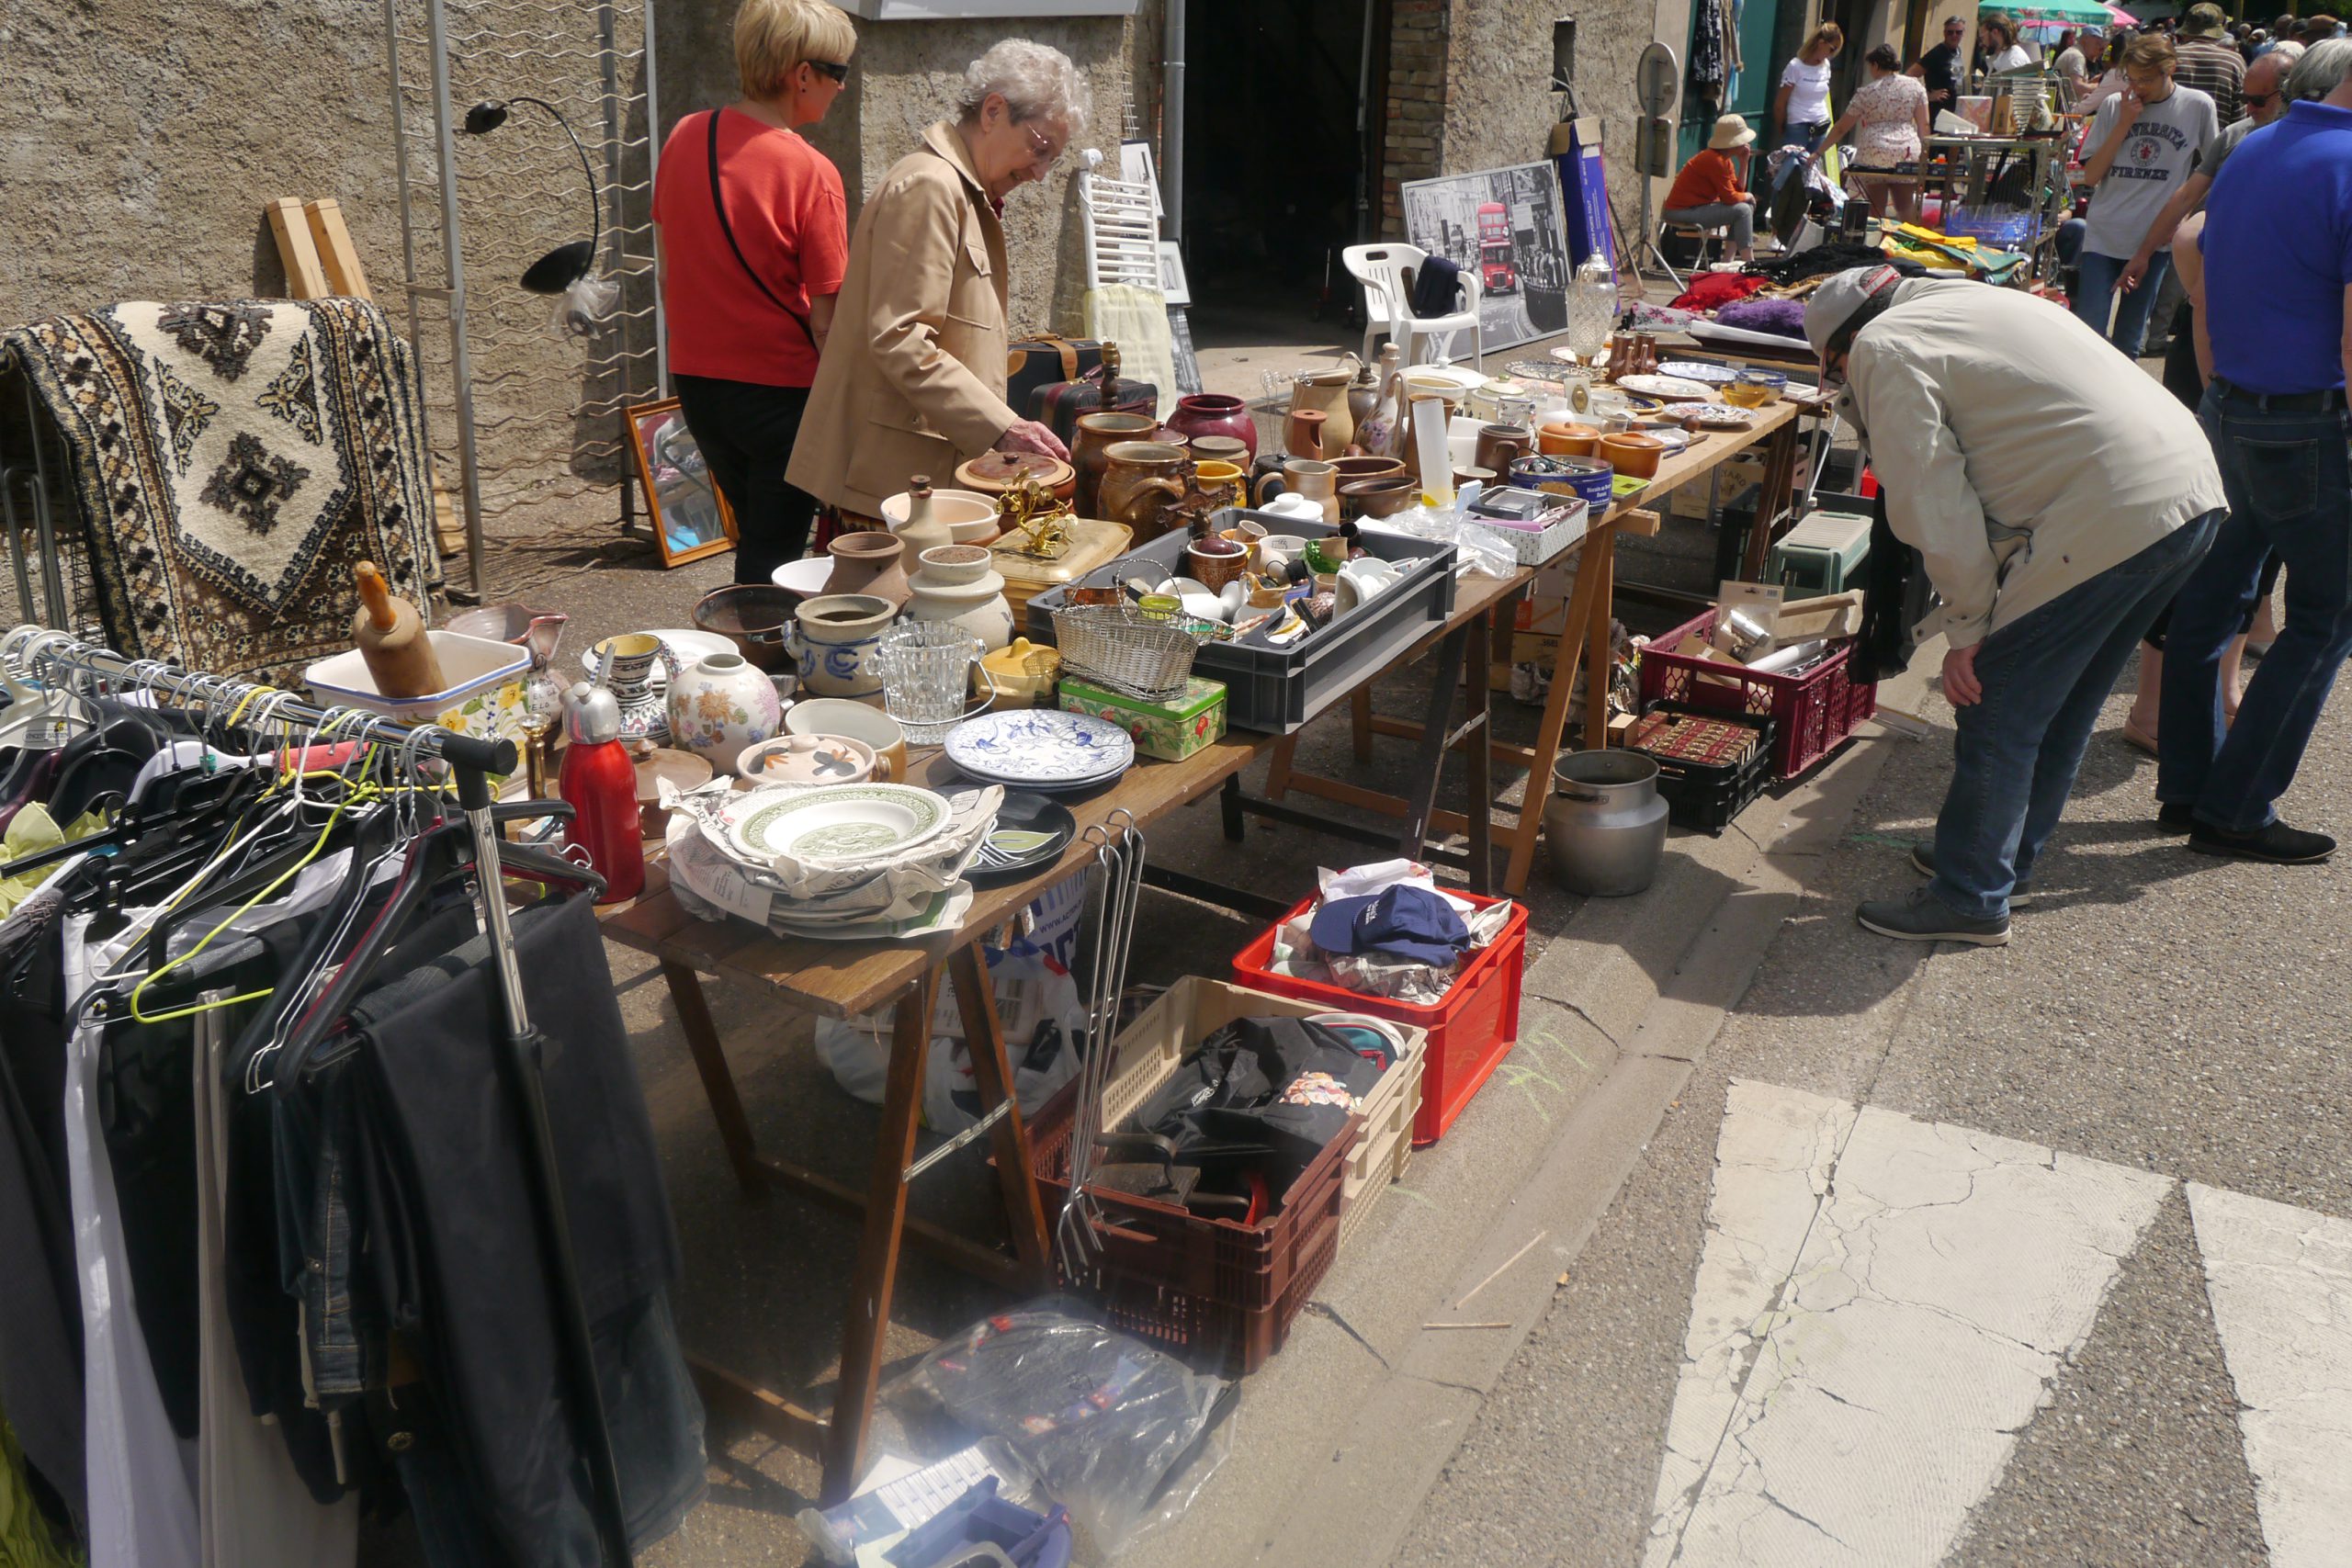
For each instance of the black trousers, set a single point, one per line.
(2184, 381)
(746, 431)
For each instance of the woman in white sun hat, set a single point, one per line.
(1711, 190)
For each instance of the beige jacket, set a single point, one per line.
(2021, 454)
(912, 378)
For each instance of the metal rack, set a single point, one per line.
(475, 213)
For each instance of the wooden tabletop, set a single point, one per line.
(843, 979)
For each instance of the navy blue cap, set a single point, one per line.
(1402, 922)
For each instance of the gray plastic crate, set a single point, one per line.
(1277, 690)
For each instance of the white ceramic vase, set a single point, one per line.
(957, 584)
(720, 707)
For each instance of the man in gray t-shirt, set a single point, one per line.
(2266, 100)
(2142, 146)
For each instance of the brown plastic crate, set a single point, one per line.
(1222, 1291)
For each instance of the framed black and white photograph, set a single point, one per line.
(1506, 227)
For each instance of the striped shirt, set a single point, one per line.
(2216, 70)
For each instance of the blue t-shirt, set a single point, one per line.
(2277, 249)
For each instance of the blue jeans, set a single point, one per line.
(2046, 676)
(2095, 298)
(2288, 476)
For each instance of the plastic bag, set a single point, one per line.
(1113, 1428)
(580, 309)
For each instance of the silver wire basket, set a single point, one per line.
(1118, 648)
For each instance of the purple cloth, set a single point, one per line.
(1783, 318)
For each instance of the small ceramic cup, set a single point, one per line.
(839, 715)
(1212, 565)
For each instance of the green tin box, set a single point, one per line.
(1171, 731)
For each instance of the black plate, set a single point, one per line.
(1027, 811)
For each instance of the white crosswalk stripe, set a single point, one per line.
(1881, 1305)
(2280, 1282)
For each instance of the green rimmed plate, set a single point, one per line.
(832, 821)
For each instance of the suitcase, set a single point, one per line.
(1059, 404)
(1042, 360)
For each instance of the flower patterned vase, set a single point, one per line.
(720, 707)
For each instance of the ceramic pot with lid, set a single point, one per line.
(1089, 453)
(1604, 822)
(958, 583)
(1630, 451)
(993, 473)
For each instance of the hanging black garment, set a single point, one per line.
(1895, 596)
(484, 1322)
(1835, 255)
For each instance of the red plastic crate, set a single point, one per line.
(1811, 713)
(1470, 1032)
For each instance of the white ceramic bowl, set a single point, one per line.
(806, 760)
(970, 515)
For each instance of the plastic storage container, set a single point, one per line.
(1222, 1292)
(1470, 1032)
(1705, 797)
(1811, 711)
(1277, 690)
(1381, 1155)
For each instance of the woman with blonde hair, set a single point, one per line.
(753, 232)
(1801, 109)
(913, 379)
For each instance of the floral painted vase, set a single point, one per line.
(721, 707)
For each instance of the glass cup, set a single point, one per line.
(926, 669)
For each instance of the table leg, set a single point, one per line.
(1566, 661)
(1278, 771)
(1228, 806)
(877, 1245)
(717, 1082)
(1597, 664)
(1479, 759)
(984, 1038)
(1429, 763)
(1360, 722)
(1779, 472)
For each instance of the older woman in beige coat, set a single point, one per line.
(913, 378)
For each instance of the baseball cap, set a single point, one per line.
(1836, 302)
(1402, 922)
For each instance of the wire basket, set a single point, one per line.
(1117, 647)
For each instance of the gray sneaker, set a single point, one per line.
(1923, 861)
(1923, 918)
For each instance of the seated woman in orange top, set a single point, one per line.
(1710, 192)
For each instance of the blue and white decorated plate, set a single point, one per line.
(1700, 371)
(1043, 748)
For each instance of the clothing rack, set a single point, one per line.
(39, 657)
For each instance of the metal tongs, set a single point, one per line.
(1118, 856)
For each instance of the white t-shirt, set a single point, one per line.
(1809, 96)
(2014, 58)
(2071, 64)
(2158, 152)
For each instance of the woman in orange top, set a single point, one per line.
(749, 280)
(1711, 191)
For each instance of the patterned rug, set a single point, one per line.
(233, 462)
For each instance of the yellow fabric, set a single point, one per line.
(1136, 320)
(31, 831)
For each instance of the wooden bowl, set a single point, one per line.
(1633, 453)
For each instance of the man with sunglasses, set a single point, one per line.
(1940, 67)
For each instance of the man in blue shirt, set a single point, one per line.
(2278, 296)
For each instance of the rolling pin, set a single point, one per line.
(390, 636)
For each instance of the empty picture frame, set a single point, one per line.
(691, 519)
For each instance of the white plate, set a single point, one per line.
(805, 576)
(830, 821)
(691, 646)
(1040, 747)
(1717, 416)
(945, 913)
(1671, 388)
(1691, 370)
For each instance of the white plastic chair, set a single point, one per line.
(1389, 308)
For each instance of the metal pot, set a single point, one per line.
(1604, 823)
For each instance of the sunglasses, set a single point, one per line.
(833, 68)
(2259, 100)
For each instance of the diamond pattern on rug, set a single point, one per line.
(252, 483)
(294, 396)
(223, 336)
(223, 528)
(186, 415)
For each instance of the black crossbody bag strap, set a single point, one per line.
(718, 204)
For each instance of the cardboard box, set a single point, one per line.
(1735, 475)
(1170, 731)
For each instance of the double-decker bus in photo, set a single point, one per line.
(1495, 275)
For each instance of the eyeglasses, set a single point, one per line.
(1043, 145)
(2258, 100)
(833, 68)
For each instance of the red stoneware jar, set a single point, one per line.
(1213, 414)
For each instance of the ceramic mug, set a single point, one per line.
(859, 721)
(1213, 568)
(834, 639)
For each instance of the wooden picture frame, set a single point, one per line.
(691, 518)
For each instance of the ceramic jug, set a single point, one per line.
(834, 639)
(629, 665)
(1089, 453)
(1604, 823)
(869, 561)
(1142, 481)
(924, 529)
(721, 707)
(1376, 431)
(955, 585)
(1308, 478)
(1326, 392)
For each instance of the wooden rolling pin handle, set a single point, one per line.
(377, 594)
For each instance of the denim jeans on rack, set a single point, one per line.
(2046, 676)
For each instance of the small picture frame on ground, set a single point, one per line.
(689, 518)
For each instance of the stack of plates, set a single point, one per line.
(915, 842)
(1041, 749)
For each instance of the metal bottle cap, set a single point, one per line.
(591, 714)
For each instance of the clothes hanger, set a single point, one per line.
(38, 718)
